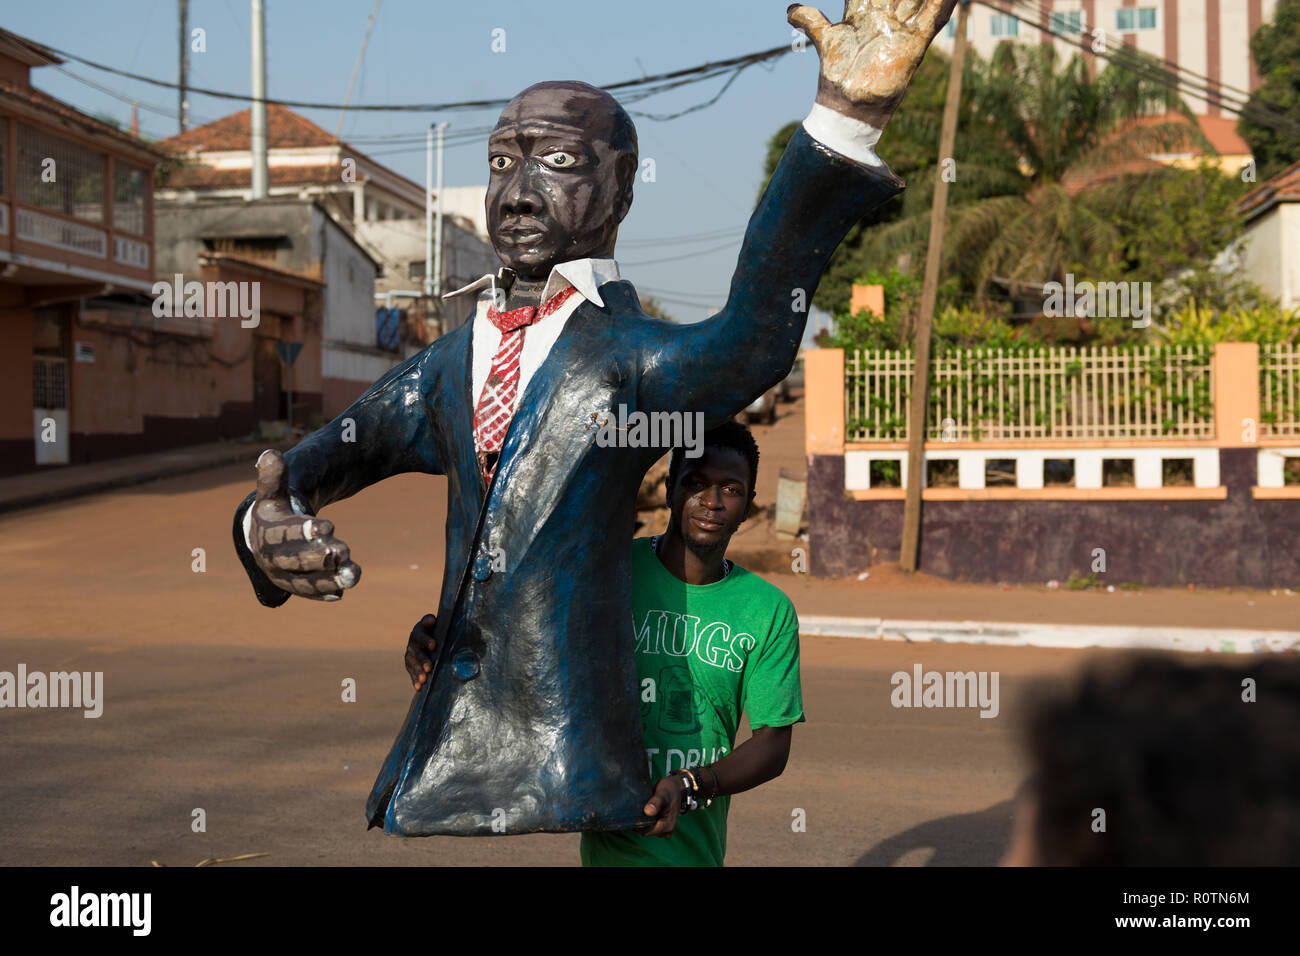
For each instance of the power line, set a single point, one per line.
(706, 298)
(168, 112)
(688, 255)
(689, 237)
(638, 88)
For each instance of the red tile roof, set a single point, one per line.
(285, 129)
(1221, 131)
(1284, 187)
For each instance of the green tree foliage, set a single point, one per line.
(1172, 226)
(1276, 49)
(1070, 135)
(1197, 324)
(911, 143)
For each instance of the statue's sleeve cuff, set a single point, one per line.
(850, 138)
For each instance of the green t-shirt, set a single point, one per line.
(704, 654)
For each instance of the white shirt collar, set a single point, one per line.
(585, 275)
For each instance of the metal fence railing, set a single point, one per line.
(1279, 391)
(1061, 393)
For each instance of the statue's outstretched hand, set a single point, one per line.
(299, 553)
(869, 57)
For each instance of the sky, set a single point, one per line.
(680, 240)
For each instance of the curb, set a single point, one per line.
(96, 486)
(1223, 641)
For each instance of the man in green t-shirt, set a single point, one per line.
(712, 641)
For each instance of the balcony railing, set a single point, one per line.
(131, 252)
(62, 234)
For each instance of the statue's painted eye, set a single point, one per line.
(500, 162)
(560, 159)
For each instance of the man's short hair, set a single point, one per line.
(1188, 771)
(730, 434)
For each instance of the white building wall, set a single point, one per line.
(1272, 253)
(349, 276)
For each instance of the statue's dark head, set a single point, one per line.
(562, 159)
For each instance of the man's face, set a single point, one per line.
(711, 498)
(555, 187)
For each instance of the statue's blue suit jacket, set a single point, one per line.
(530, 720)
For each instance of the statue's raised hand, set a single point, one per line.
(299, 553)
(869, 57)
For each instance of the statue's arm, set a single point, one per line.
(828, 178)
(387, 431)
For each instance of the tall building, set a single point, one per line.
(1208, 37)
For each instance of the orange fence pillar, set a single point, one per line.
(823, 382)
(1236, 394)
(869, 297)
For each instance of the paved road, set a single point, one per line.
(214, 702)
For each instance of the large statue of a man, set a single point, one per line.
(530, 719)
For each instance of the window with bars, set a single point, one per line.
(60, 175)
(50, 383)
(129, 184)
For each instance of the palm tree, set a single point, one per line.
(1060, 136)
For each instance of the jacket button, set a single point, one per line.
(465, 665)
(482, 567)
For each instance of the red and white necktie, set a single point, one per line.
(496, 404)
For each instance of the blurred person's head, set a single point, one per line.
(1186, 771)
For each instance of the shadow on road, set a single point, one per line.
(967, 839)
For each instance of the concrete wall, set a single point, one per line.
(1237, 524)
(1239, 541)
(180, 229)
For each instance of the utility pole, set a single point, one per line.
(183, 107)
(257, 115)
(919, 406)
(433, 214)
(437, 229)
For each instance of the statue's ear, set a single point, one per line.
(625, 175)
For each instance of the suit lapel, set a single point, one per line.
(458, 415)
